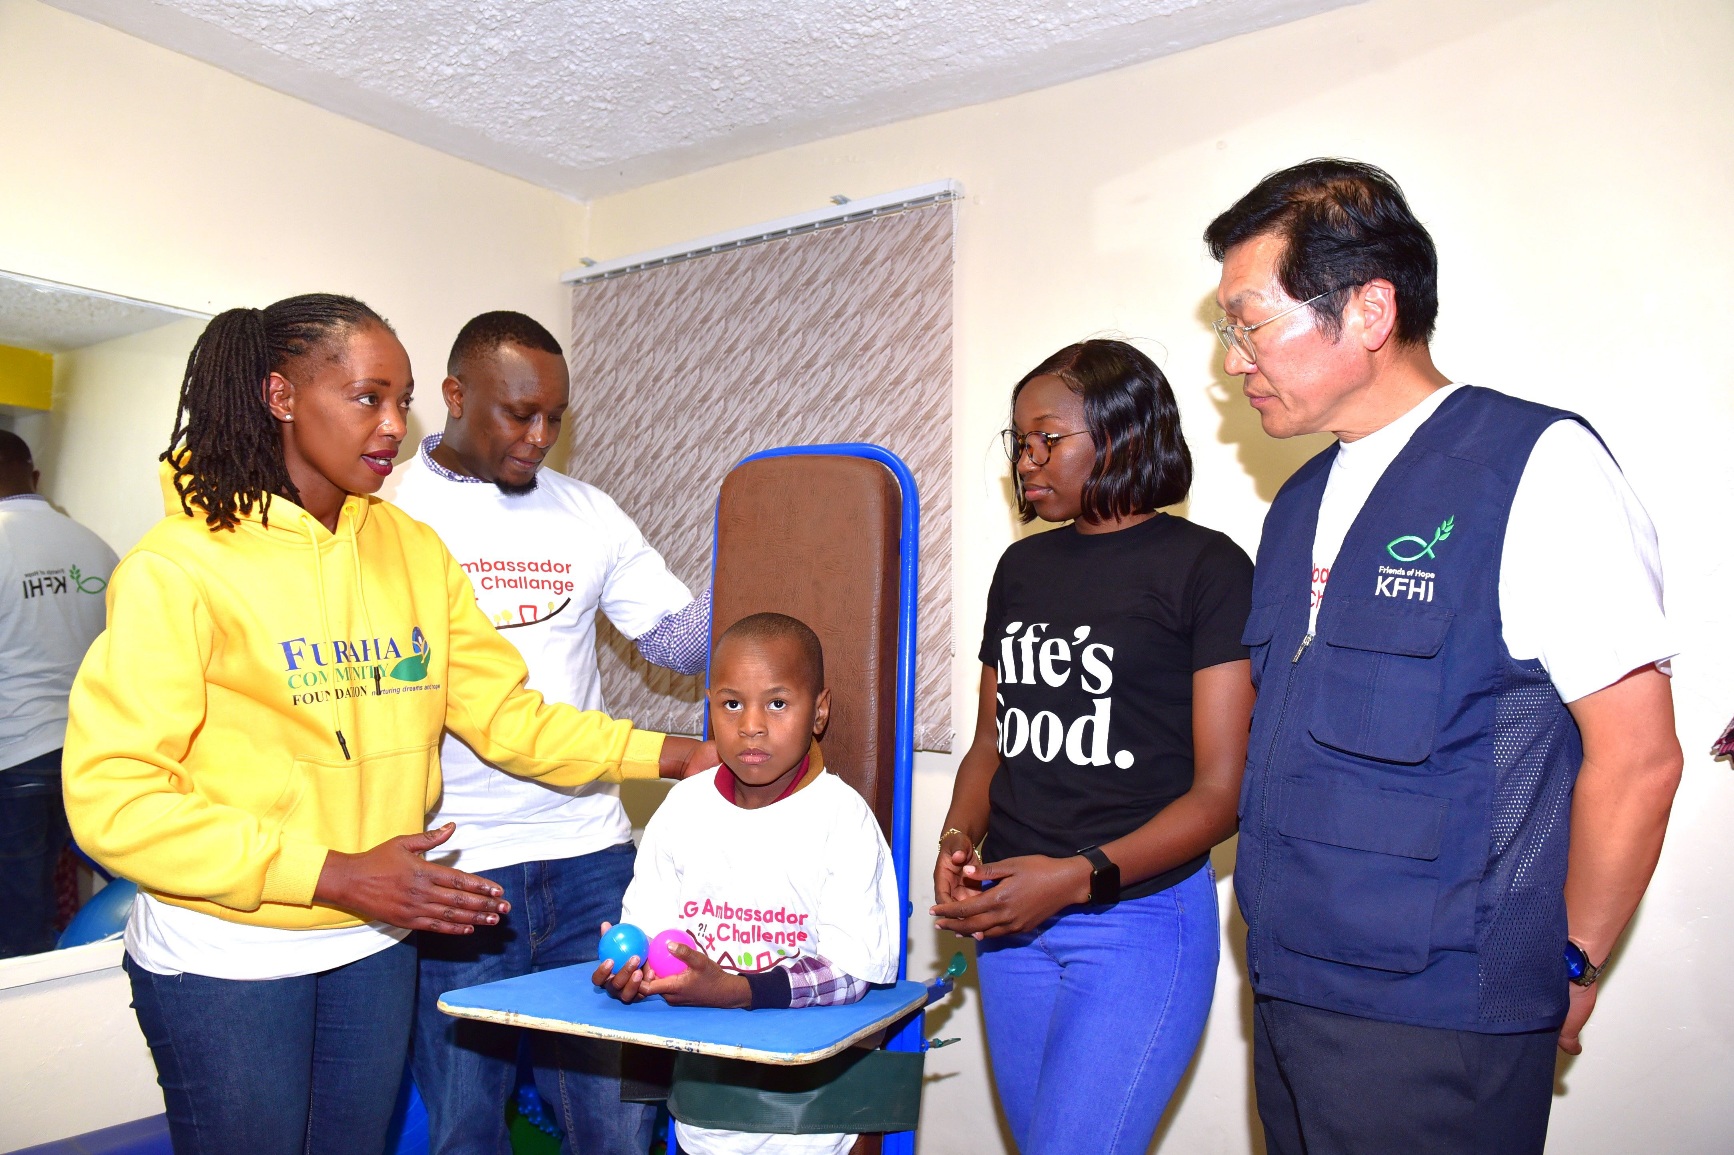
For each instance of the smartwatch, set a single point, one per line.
(1104, 877)
(1578, 968)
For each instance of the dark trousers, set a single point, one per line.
(32, 835)
(1333, 1084)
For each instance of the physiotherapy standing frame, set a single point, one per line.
(565, 1001)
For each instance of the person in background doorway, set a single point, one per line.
(53, 572)
(1463, 755)
(546, 554)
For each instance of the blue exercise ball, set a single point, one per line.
(102, 917)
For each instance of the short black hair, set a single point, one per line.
(1142, 462)
(14, 452)
(482, 335)
(781, 627)
(1343, 223)
(226, 450)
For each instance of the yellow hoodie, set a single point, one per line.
(263, 696)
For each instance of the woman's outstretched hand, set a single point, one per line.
(684, 757)
(1026, 892)
(393, 883)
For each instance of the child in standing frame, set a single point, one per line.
(777, 869)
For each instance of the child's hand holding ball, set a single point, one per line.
(670, 965)
(700, 982)
(620, 959)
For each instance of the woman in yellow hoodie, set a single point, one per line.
(255, 738)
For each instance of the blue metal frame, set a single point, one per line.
(908, 575)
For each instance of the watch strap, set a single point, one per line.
(1104, 876)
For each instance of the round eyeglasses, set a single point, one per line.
(1039, 446)
(1238, 338)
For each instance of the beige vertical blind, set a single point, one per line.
(681, 370)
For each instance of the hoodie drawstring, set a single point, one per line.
(361, 595)
(325, 624)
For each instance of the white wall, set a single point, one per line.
(114, 406)
(72, 1057)
(1573, 161)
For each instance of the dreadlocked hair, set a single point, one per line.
(226, 450)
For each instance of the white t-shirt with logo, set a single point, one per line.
(53, 572)
(542, 564)
(1588, 632)
(809, 874)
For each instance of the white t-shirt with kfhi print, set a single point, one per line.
(1588, 632)
(807, 875)
(53, 572)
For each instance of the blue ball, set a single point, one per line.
(622, 944)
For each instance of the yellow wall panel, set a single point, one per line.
(26, 377)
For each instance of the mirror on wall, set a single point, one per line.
(89, 380)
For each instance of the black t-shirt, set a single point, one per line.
(1095, 638)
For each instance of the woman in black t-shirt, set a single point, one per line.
(1115, 703)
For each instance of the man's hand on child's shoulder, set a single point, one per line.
(702, 984)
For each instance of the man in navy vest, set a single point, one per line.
(1461, 658)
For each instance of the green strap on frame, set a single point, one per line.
(856, 1092)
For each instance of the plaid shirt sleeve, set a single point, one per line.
(818, 982)
(681, 641)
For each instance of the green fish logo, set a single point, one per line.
(86, 585)
(414, 667)
(1421, 547)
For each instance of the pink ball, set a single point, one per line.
(661, 959)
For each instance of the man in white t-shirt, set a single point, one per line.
(1455, 694)
(544, 553)
(53, 572)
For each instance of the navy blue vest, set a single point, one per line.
(1405, 812)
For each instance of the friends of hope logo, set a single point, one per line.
(1028, 659)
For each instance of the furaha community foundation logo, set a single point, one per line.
(316, 671)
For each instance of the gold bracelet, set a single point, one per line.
(975, 846)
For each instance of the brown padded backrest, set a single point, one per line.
(816, 537)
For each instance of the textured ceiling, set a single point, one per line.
(56, 318)
(594, 96)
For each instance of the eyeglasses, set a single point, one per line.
(1040, 446)
(1238, 338)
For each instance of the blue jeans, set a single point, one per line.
(465, 1070)
(1093, 1017)
(32, 834)
(299, 1066)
